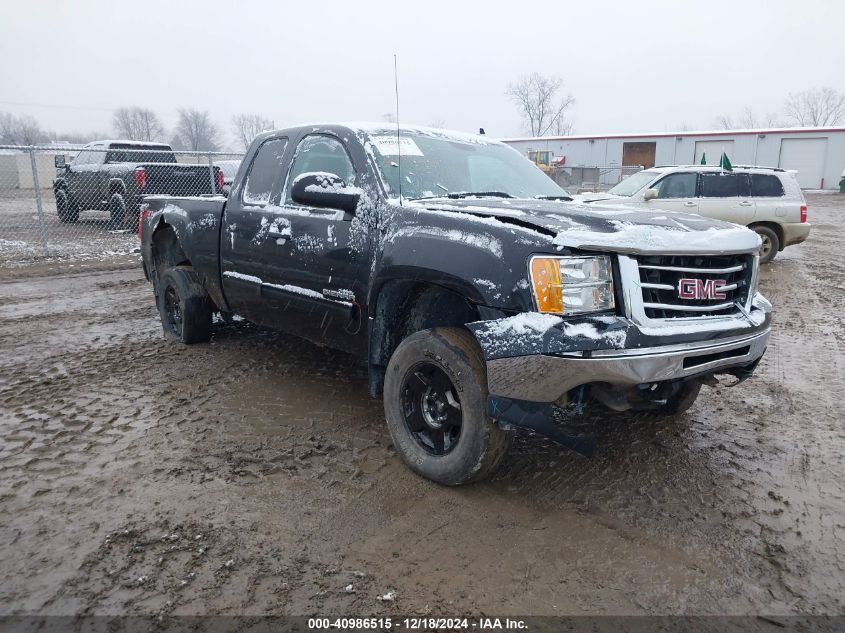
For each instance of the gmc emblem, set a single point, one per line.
(701, 288)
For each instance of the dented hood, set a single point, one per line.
(615, 228)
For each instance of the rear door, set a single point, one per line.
(676, 192)
(726, 196)
(253, 235)
(770, 201)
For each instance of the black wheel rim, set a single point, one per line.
(431, 409)
(173, 310)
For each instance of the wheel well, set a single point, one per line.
(774, 226)
(116, 186)
(405, 307)
(166, 250)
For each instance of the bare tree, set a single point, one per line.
(747, 119)
(21, 130)
(196, 131)
(816, 107)
(77, 138)
(562, 126)
(247, 126)
(537, 98)
(437, 122)
(137, 124)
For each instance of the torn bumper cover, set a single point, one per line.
(547, 378)
(540, 358)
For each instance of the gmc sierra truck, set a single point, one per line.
(479, 296)
(114, 176)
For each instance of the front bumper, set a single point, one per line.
(547, 378)
(539, 358)
(794, 233)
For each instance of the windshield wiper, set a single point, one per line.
(564, 198)
(478, 194)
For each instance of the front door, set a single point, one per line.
(726, 196)
(676, 192)
(84, 180)
(322, 270)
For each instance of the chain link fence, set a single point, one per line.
(580, 178)
(71, 202)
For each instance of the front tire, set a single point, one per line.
(184, 306)
(435, 403)
(681, 401)
(67, 210)
(770, 243)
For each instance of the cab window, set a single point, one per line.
(320, 153)
(677, 186)
(263, 172)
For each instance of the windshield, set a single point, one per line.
(441, 165)
(633, 183)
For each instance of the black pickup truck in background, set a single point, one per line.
(479, 296)
(113, 176)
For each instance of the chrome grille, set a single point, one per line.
(661, 275)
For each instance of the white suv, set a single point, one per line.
(767, 200)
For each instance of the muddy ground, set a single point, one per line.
(254, 475)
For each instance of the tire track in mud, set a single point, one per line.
(112, 441)
(114, 394)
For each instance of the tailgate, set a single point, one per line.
(175, 179)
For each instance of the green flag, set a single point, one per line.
(703, 158)
(725, 163)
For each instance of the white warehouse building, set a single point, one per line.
(817, 154)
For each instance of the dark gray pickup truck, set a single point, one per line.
(478, 295)
(114, 176)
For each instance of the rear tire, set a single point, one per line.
(117, 211)
(184, 306)
(67, 210)
(770, 243)
(435, 403)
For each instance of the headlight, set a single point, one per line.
(755, 277)
(572, 285)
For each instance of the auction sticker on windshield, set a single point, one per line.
(388, 146)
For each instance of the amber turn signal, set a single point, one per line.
(548, 289)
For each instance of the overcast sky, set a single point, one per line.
(632, 66)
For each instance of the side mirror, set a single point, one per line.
(650, 194)
(59, 161)
(325, 190)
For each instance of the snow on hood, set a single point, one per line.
(616, 228)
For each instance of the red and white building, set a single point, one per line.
(817, 154)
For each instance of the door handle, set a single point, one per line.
(745, 203)
(690, 204)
